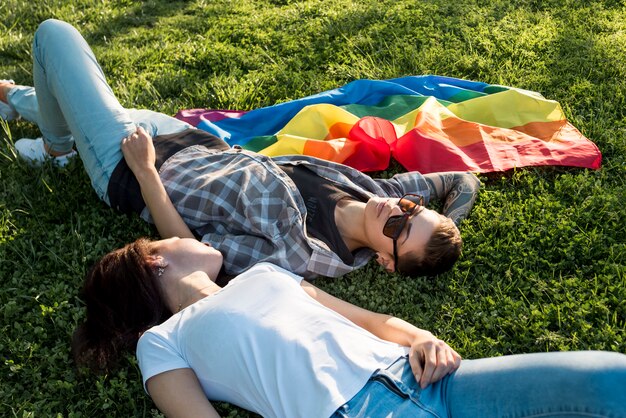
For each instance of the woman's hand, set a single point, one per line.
(138, 151)
(431, 358)
(140, 156)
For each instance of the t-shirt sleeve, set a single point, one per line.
(156, 355)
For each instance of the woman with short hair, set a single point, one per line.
(310, 216)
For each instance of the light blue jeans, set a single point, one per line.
(564, 384)
(73, 104)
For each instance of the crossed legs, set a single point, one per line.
(74, 106)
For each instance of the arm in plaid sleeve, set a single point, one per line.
(456, 190)
(241, 251)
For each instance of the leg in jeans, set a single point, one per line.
(24, 100)
(565, 384)
(76, 105)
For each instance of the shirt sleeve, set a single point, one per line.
(402, 183)
(156, 355)
(240, 251)
(456, 190)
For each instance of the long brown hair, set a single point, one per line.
(123, 299)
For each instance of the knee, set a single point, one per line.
(51, 30)
(49, 26)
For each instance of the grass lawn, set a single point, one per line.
(544, 262)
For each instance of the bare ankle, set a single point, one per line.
(54, 153)
(5, 86)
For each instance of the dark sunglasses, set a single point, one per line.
(411, 205)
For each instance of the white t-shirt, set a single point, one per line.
(265, 345)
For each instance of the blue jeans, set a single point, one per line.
(73, 105)
(564, 384)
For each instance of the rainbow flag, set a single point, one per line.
(427, 123)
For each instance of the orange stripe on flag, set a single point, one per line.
(332, 150)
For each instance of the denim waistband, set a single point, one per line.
(402, 397)
(398, 376)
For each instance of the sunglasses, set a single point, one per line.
(411, 205)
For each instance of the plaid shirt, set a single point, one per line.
(244, 205)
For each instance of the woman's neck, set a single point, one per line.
(191, 289)
(350, 219)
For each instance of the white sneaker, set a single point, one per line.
(6, 111)
(33, 152)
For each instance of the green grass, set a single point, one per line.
(544, 264)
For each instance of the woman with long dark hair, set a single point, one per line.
(276, 345)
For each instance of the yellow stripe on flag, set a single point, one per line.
(508, 109)
(315, 121)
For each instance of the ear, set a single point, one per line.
(385, 261)
(156, 261)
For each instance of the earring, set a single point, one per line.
(160, 271)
